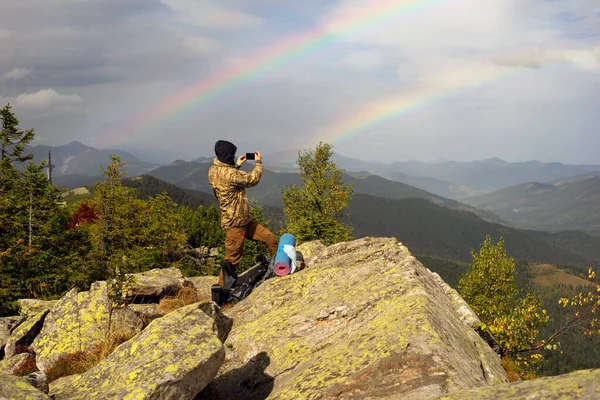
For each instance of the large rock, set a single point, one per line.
(13, 388)
(126, 323)
(78, 322)
(30, 307)
(583, 384)
(175, 357)
(12, 365)
(155, 283)
(365, 320)
(24, 334)
(7, 325)
(203, 285)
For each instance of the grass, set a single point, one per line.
(550, 275)
(184, 297)
(80, 361)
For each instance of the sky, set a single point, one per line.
(385, 80)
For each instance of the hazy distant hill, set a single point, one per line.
(75, 158)
(451, 179)
(148, 186)
(429, 229)
(194, 176)
(554, 207)
(468, 177)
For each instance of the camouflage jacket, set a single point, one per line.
(229, 185)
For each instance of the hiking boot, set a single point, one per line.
(229, 274)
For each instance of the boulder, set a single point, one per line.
(202, 285)
(7, 325)
(125, 323)
(147, 312)
(584, 384)
(31, 307)
(175, 357)
(12, 365)
(13, 387)
(24, 334)
(365, 320)
(155, 283)
(38, 380)
(78, 322)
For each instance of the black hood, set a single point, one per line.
(225, 152)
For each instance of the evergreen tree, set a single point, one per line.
(12, 149)
(315, 209)
(32, 221)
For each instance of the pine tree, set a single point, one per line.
(315, 210)
(12, 149)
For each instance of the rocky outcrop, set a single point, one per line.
(12, 388)
(30, 307)
(175, 357)
(584, 385)
(154, 284)
(77, 323)
(365, 320)
(24, 334)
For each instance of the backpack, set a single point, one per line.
(240, 287)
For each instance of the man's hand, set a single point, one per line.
(241, 160)
(257, 156)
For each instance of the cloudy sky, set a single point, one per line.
(379, 79)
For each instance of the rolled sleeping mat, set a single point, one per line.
(283, 263)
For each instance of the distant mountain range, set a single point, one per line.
(192, 175)
(449, 179)
(79, 160)
(426, 228)
(562, 205)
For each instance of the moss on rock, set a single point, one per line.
(12, 387)
(365, 320)
(175, 357)
(31, 307)
(78, 323)
(24, 334)
(584, 385)
(12, 365)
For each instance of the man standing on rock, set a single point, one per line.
(229, 184)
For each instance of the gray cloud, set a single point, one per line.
(457, 80)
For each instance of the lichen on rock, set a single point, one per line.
(78, 322)
(7, 325)
(366, 319)
(175, 357)
(155, 283)
(30, 307)
(12, 365)
(13, 388)
(24, 334)
(584, 385)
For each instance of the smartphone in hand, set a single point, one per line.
(249, 156)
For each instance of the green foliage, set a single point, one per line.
(252, 249)
(132, 234)
(314, 210)
(32, 221)
(513, 316)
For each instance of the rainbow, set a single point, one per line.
(452, 83)
(284, 52)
